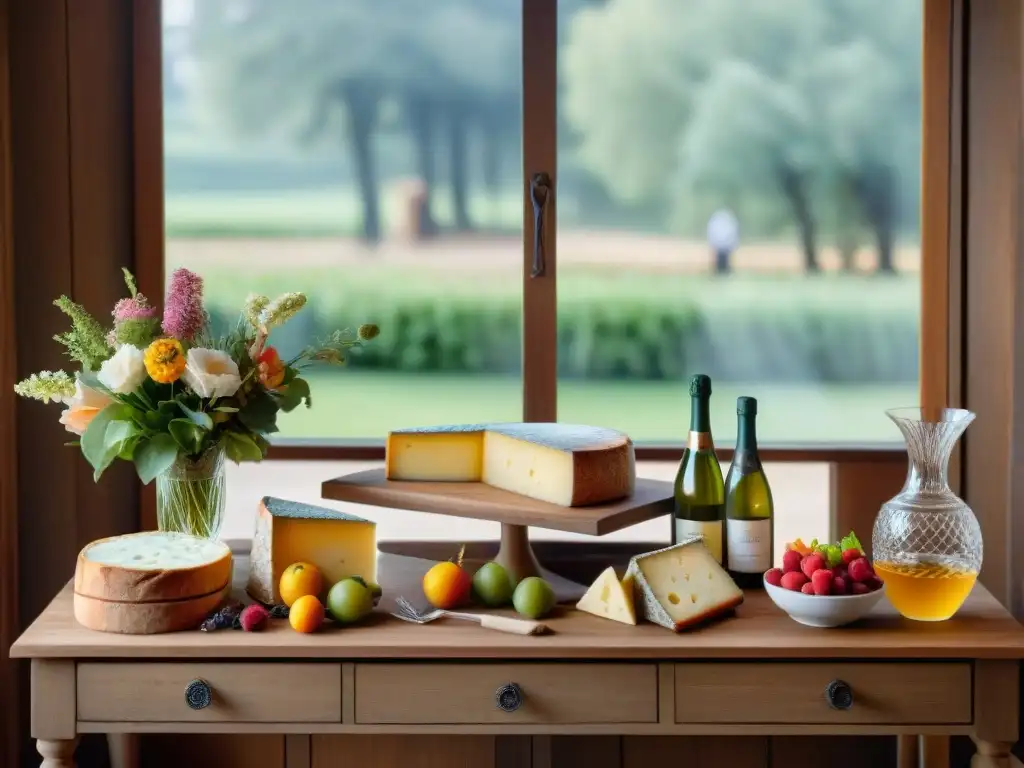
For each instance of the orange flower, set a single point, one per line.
(82, 408)
(271, 368)
(165, 360)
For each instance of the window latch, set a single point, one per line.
(540, 190)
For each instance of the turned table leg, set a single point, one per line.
(124, 750)
(991, 754)
(57, 753)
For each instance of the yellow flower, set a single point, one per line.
(165, 360)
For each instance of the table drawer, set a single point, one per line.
(796, 693)
(238, 693)
(467, 693)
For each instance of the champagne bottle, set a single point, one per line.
(748, 504)
(699, 491)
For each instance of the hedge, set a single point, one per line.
(650, 339)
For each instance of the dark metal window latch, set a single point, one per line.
(540, 190)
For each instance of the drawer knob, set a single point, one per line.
(839, 695)
(509, 697)
(198, 694)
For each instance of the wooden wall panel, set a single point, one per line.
(858, 491)
(214, 750)
(403, 751)
(833, 751)
(589, 751)
(697, 752)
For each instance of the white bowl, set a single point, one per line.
(823, 610)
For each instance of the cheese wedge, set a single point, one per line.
(153, 566)
(146, 618)
(610, 598)
(287, 532)
(682, 585)
(566, 464)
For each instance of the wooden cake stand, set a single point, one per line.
(652, 498)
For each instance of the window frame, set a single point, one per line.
(941, 309)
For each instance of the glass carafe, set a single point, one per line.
(926, 542)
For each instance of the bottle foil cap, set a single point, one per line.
(700, 385)
(746, 406)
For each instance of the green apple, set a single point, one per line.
(534, 597)
(492, 585)
(349, 601)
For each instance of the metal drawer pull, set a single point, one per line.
(509, 697)
(839, 695)
(198, 694)
(540, 191)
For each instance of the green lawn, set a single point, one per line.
(354, 404)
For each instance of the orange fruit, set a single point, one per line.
(306, 614)
(298, 580)
(446, 585)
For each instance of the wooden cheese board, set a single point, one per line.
(651, 498)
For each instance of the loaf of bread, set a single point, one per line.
(154, 566)
(146, 618)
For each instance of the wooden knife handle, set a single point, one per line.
(512, 626)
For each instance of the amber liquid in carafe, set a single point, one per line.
(926, 591)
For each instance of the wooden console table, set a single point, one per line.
(757, 673)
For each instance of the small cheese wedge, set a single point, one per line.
(570, 465)
(152, 566)
(682, 585)
(610, 598)
(287, 532)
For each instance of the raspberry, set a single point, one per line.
(773, 576)
(858, 588)
(791, 561)
(821, 579)
(851, 554)
(793, 580)
(840, 571)
(860, 570)
(807, 589)
(838, 585)
(254, 618)
(873, 583)
(811, 563)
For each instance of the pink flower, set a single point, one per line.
(135, 308)
(184, 317)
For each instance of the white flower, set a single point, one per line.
(125, 371)
(211, 373)
(82, 408)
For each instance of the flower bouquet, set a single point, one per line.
(175, 399)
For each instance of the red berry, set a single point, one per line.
(838, 585)
(791, 561)
(840, 571)
(873, 583)
(858, 588)
(253, 618)
(821, 579)
(807, 589)
(860, 570)
(793, 580)
(851, 554)
(773, 576)
(813, 562)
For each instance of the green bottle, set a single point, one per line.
(699, 491)
(748, 504)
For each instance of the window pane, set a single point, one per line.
(367, 154)
(738, 196)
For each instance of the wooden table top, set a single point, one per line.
(981, 630)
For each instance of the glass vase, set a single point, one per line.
(926, 541)
(190, 495)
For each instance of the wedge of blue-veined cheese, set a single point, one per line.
(682, 585)
(287, 532)
(566, 464)
(610, 598)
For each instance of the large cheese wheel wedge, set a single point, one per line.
(154, 566)
(146, 618)
(571, 465)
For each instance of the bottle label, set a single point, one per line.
(711, 531)
(700, 441)
(749, 545)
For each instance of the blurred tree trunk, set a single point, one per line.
(490, 161)
(795, 190)
(421, 116)
(457, 151)
(361, 104)
(876, 189)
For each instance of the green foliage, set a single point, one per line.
(47, 386)
(94, 442)
(139, 333)
(155, 456)
(86, 342)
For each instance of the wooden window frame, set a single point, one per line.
(940, 261)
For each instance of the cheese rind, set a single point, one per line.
(682, 585)
(566, 464)
(610, 598)
(153, 566)
(287, 532)
(146, 618)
